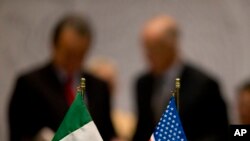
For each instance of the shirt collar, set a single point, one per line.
(174, 71)
(62, 76)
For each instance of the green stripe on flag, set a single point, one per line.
(76, 117)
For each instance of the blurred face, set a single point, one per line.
(244, 107)
(107, 73)
(160, 45)
(70, 50)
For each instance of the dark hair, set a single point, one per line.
(245, 87)
(78, 23)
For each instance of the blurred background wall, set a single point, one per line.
(215, 36)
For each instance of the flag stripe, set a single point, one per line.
(152, 138)
(85, 133)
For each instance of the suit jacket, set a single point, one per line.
(38, 101)
(202, 110)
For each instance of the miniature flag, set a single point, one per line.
(77, 124)
(169, 128)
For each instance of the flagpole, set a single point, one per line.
(177, 92)
(82, 85)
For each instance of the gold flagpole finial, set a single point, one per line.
(82, 85)
(177, 83)
(177, 92)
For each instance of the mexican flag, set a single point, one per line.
(77, 124)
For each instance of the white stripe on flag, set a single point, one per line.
(152, 138)
(88, 132)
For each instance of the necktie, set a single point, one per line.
(69, 90)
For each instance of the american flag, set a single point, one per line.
(169, 128)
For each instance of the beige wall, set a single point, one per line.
(216, 36)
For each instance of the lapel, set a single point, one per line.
(186, 90)
(53, 92)
(146, 91)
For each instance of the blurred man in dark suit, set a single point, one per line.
(202, 110)
(42, 97)
(244, 103)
